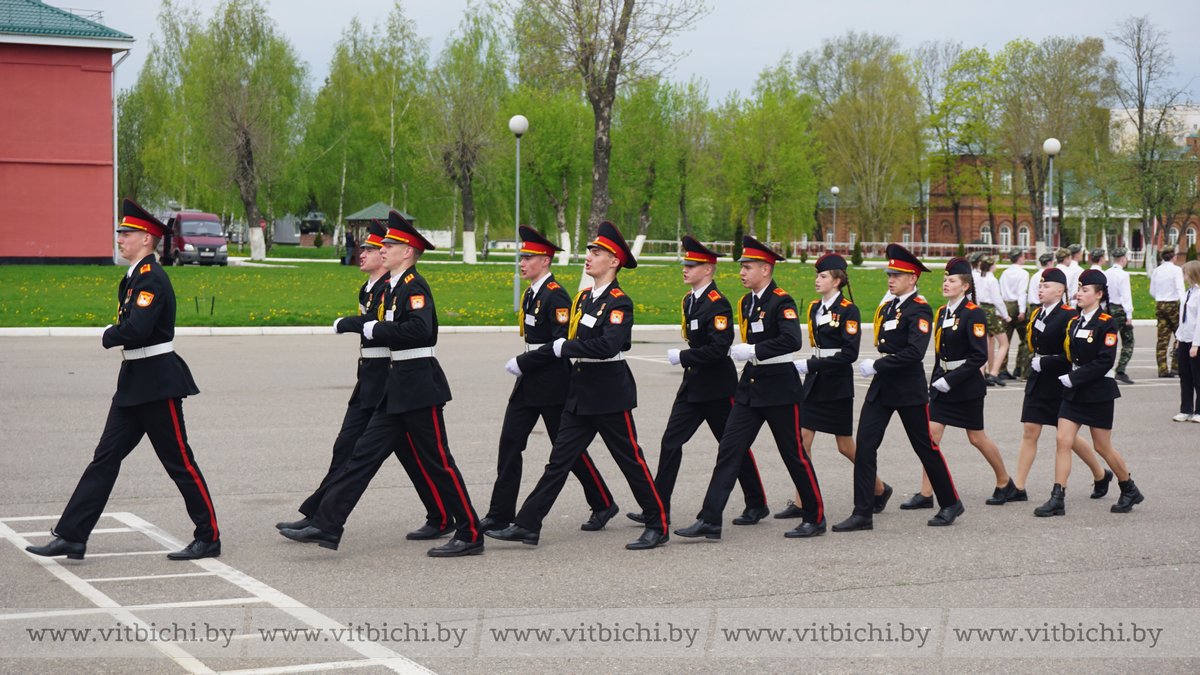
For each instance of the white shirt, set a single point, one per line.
(597, 292)
(537, 285)
(1035, 280)
(988, 293)
(1072, 270)
(1166, 283)
(1119, 292)
(1014, 286)
(1189, 329)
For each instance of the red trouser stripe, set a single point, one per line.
(812, 479)
(637, 454)
(437, 498)
(938, 449)
(754, 463)
(187, 463)
(587, 461)
(462, 495)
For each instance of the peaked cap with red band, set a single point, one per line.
(755, 251)
(609, 238)
(376, 231)
(695, 253)
(136, 219)
(400, 231)
(533, 243)
(901, 260)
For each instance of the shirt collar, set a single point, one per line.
(826, 304)
(900, 300)
(951, 307)
(537, 285)
(599, 290)
(129, 272)
(1085, 318)
(396, 277)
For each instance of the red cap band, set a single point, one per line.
(610, 246)
(695, 256)
(758, 254)
(903, 266)
(403, 238)
(145, 225)
(534, 248)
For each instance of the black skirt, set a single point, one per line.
(828, 417)
(1098, 415)
(966, 414)
(1043, 411)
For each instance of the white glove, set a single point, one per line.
(941, 385)
(512, 367)
(866, 367)
(1066, 381)
(1036, 364)
(558, 347)
(801, 366)
(369, 330)
(673, 357)
(742, 351)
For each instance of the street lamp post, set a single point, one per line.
(834, 191)
(1051, 147)
(518, 125)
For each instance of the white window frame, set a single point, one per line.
(1173, 235)
(1191, 236)
(985, 233)
(1006, 235)
(1023, 236)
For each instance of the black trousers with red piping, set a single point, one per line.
(872, 423)
(741, 429)
(163, 422)
(423, 432)
(576, 432)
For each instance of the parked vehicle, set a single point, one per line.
(197, 237)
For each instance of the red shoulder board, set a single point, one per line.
(408, 278)
(144, 268)
(617, 293)
(553, 285)
(1064, 307)
(1104, 317)
(919, 300)
(714, 295)
(971, 305)
(780, 291)
(845, 302)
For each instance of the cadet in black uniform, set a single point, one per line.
(769, 391)
(372, 369)
(600, 397)
(1090, 390)
(902, 330)
(1045, 333)
(834, 332)
(957, 389)
(540, 391)
(151, 387)
(410, 412)
(709, 381)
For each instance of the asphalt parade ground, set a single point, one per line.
(1091, 591)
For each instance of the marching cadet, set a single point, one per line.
(411, 412)
(1089, 395)
(957, 391)
(902, 332)
(709, 382)
(1119, 302)
(600, 396)
(540, 391)
(1044, 334)
(151, 387)
(1014, 292)
(769, 391)
(373, 364)
(834, 333)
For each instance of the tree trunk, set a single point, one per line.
(602, 92)
(955, 208)
(468, 207)
(578, 220)
(245, 178)
(560, 222)
(750, 218)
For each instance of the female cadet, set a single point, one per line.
(956, 396)
(833, 332)
(1090, 390)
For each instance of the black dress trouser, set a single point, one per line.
(872, 423)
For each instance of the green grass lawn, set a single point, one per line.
(316, 294)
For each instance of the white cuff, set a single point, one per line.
(369, 330)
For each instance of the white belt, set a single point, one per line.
(374, 352)
(951, 365)
(1111, 373)
(826, 353)
(530, 346)
(619, 357)
(407, 354)
(782, 358)
(146, 352)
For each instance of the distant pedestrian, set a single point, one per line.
(1014, 292)
(1120, 306)
(1167, 289)
(1187, 358)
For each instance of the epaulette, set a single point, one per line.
(1065, 307)
(845, 302)
(971, 305)
(553, 285)
(144, 268)
(1104, 317)
(780, 291)
(714, 295)
(409, 278)
(617, 293)
(589, 288)
(919, 300)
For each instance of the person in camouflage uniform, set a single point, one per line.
(1120, 306)
(1014, 291)
(1167, 289)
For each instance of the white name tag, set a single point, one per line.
(387, 316)
(891, 324)
(1083, 334)
(695, 325)
(825, 318)
(588, 320)
(1040, 326)
(530, 320)
(948, 322)
(756, 327)
(362, 309)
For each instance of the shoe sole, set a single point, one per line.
(1047, 514)
(906, 507)
(634, 546)
(333, 546)
(421, 537)
(698, 536)
(1137, 501)
(462, 554)
(854, 529)
(790, 534)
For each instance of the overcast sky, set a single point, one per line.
(738, 37)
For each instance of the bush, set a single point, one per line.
(1191, 254)
(738, 233)
(803, 256)
(856, 255)
(319, 240)
(962, 250)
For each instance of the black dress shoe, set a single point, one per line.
(599, 519)
(59, 546)
(429, 531)
(311, 535)
(790, 511)
(882, 498)
(855, 523)
(946, 515)
(1100, 487)
(1018, 495)
(197, 550)
(1124, 378)
(1002, 495)
(455, 548)
(752, 515)
(649, 539)
(294, 524)
(1005, 376)
(637, 517)
(515, 532)
(917, 501)
(490, 523)
(700, 529)
(805, 530)
(990, 381)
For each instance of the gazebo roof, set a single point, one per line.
(377, 211)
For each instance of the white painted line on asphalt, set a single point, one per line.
(125, 553)
(14, 519)
(94, 580)
(100, 530)
(308, 667)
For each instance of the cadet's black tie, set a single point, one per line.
(691, 300)
(529, 300)
(1185, 304)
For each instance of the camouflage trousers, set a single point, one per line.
(1167, 315)
(1017, 326)
(1125, 329)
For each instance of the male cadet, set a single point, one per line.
(902, 331)
(411, 410)
(769, 391)
(1014, 292)
(1120, 305)
(540, 391)
(373, 363)
(709, 382)
(1167, 290)
(151, 387)
(600, 396)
